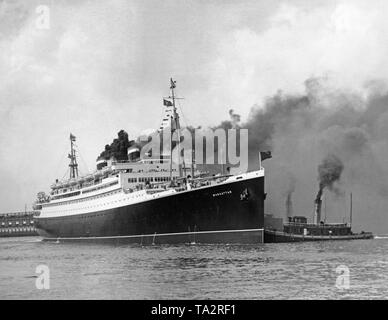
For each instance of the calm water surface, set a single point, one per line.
(270, 271)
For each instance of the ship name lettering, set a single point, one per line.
(222, 193)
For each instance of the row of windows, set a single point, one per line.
(10, 223)
(67, 195)
(17, 214)
(93, 215)
(100, 187)
(102, 204)
(149, 179)
(79, 187)
(85, 199)
(130, 170)
(162, 179)
(17, 229)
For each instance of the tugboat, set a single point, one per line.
(153, 200)
(297, 228)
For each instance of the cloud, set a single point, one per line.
(343, 41)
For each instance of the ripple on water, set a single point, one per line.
(269, 271)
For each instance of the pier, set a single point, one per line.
(18, 224)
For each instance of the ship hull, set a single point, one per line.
(220, 213)
(272, 236)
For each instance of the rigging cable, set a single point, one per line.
(183, 115)
(60, 162)
(82, 159)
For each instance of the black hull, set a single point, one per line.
(214, 214)
(271, 236)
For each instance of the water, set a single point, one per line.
(269, 271)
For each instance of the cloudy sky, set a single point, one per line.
(102, 66)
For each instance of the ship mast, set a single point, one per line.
(175, 125)
(351, 209)
(73, 159)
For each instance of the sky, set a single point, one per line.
(102, 66)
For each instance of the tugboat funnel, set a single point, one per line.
(318, 207)
(289, 210)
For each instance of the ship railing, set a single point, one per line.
(206, 181)
(18, 214)
(121, 161)
(89, 179)
(156, 190)
(217, 178)
(143, 161)
(179, 184)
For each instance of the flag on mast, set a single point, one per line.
(72, 137)
(265, 155)
(167, 103)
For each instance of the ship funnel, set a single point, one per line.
(289, 210)
(318, 207)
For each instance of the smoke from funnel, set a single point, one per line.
(289, 209)
(353, 126)
(329, 171)
(234, 118)
(290, 190)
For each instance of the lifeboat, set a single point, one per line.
(98, 175)
(65, 184)
(82, 180)
(56, 186)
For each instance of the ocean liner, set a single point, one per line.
(153, 200)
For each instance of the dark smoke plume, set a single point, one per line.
(290, 190)
(117, 150)
(329, 171)
(302, 129)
